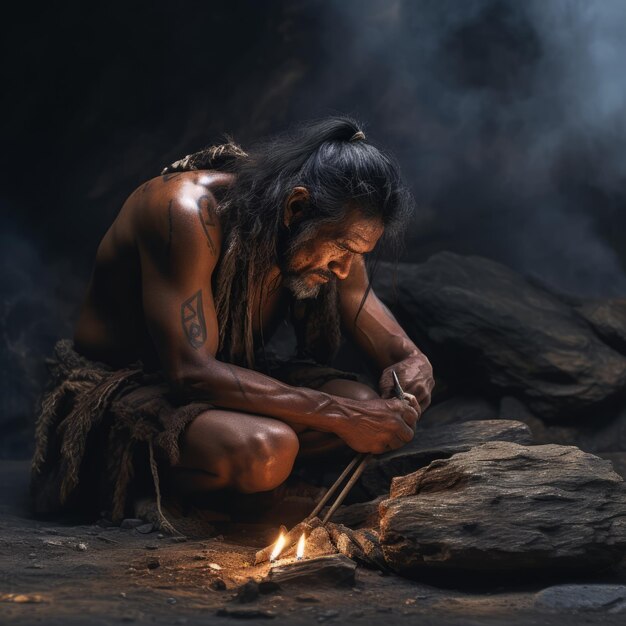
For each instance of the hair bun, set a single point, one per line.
(358, 135)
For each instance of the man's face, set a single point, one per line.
(328, 254)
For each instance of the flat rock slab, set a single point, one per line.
(436, 443)
(503, 507)
(485, 325)
(609, 598)
(335, 570)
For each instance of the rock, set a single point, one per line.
(218, 585)
(152, 562)
(607, 598)
(608, 320)
(502, 507)
(245, 613)
(605, 433)
(171, 600)
(249, 592)
(334, 570)
(145, 529)
(131, 522)
(485, 326)
(456, 410)
(324, 616)
(436, 443)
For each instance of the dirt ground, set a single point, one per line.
(62, 574)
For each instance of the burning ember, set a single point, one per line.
(278, 547)
(300, 548)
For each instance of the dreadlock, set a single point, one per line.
(321, 155)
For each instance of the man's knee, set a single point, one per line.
(349, 389)
(265, 459)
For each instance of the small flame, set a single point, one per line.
(300, 548)
(278, 547)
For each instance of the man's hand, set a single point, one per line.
(377, 425)
(415, 374)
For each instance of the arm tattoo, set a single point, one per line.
(207, 219)
(192, 318)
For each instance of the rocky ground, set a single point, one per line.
(63, 574)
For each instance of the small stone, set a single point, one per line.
(32, 555)
(218, 585)
(123, 594)
(245, 613)
(131, 522)
(171, 600)
(608, 598)
(144, 529)
(215, 566)
(152, 562)
(160, 536)
(131, 569)
(247, 593)
(199, 557)
(81, 547)
(35, 566)
(409, 601)
(324, 616)
(151, 546)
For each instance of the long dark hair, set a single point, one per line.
(340, 169)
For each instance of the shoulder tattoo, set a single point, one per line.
(207, 219)
(192, 319)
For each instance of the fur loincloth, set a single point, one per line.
(102, 433)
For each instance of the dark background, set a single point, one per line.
(506, 116)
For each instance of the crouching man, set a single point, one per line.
(167, 381)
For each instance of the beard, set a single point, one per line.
(300, 288)
(298, 283)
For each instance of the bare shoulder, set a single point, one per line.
(185, 202)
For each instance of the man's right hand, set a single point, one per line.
(378, 425)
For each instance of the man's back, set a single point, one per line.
(112, 326)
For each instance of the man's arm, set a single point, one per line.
(179, 244)
(380, 336)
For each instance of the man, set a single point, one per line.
(190, 281)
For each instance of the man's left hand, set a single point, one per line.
(415, 374)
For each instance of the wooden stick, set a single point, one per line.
(341, 497)
(329, 494)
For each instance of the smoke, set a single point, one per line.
(508, 119)
(39, 302)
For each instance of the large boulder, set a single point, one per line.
(503, 507)
(438, 443)
(608, 320)
(483, 325)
